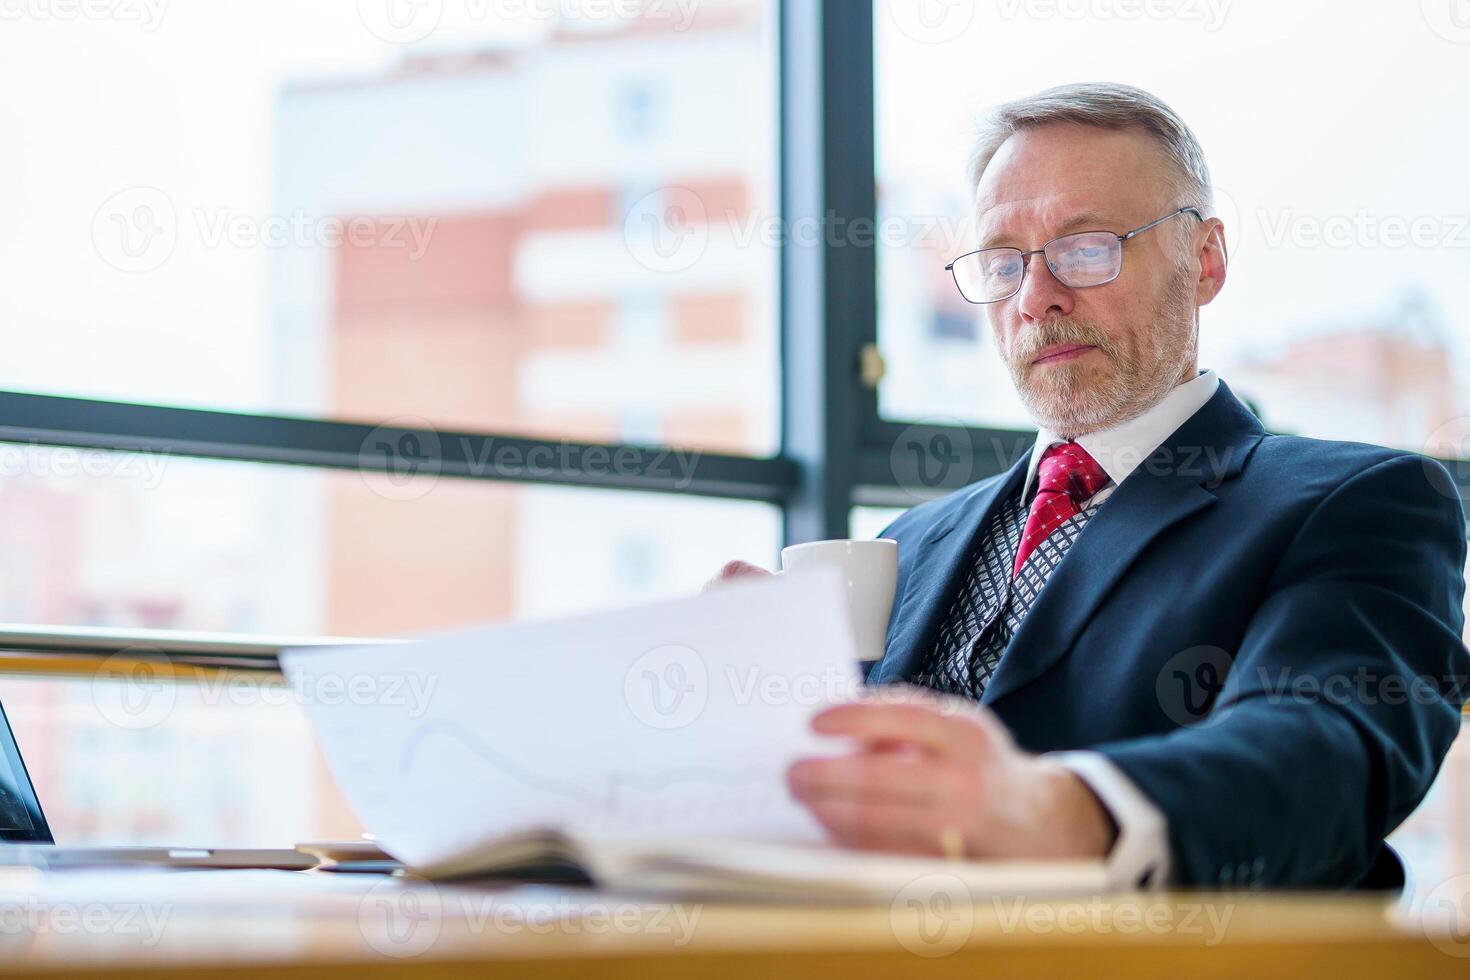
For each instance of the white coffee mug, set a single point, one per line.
(870, 571)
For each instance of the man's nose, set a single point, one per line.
(1042, 296)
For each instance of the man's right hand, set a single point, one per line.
(733, 570)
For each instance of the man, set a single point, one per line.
(1211, 655)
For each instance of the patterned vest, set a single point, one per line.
(990, 605)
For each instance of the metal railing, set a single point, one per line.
(73, 649)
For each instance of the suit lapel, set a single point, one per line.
(1173, 484)
(946, 550)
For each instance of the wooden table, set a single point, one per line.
(285, 925)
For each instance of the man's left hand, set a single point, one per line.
(929, 774)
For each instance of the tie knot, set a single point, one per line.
(1069, 468)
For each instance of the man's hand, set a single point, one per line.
(736, 569)
(937, 775)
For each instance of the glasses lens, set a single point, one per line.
(989, 275)
(1088, 259)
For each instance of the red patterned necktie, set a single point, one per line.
(1066, 477)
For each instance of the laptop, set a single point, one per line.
(25, 837)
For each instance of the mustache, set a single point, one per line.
(1064, 330)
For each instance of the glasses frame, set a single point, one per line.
(1026, 256)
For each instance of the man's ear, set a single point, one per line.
(1214, 257)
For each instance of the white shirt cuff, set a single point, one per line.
(1140, 856)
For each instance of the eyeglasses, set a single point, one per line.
(1086, 258)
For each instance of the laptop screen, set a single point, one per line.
(20, 811)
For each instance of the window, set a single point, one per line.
(320, 212)
(1346, 314)
(391, 243)
(148, 540)
(223, 763)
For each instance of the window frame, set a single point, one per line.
(887, 474)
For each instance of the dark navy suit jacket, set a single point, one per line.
(1262, 632)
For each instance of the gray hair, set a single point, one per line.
(1106, 105)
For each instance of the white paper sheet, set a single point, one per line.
(670, 719)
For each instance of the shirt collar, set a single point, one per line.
(1121, 449)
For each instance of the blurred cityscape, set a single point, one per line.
(523, 309)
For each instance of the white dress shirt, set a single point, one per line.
(1141, 854)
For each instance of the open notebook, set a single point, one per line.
(725, 868)
(645, 748)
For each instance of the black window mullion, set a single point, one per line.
(86, 423)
